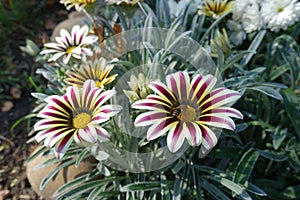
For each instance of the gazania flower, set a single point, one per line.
(215, 8)
(97, 71)
(139, 87)
(186, 110)
(125, 2)
(280, 14)
(221, 41)
(74, 44)
(78, 4)
(75, 116)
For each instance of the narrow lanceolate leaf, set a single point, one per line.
(278, 137)
(213, 190)
(292, 107)
(278, 156)
(245, 166)
(141, 186)
(292, 192)
(268, 91)
(293, 144)
(234, 187)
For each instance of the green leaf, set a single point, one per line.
(267, 91)
(245, 166)
(292, 192)
(278, 136)
(141, 186)
(86, 187)
(278, 156)
(292, 107)
(224, 152)
(294, 160)
(75, 182)
(253, 47)
(213, 190)
(254, 189)
(293, 144)
(54, 172)
(234, 187)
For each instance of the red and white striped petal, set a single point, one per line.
(163, 91)
(160, 128)
(99, 118)
(219, 97)
(150, 104)
(88, 134)
(110, 110)
(43, 134)
(148, 118)
(103, 97)
(209, 137)
(175, 137)
(48, 124)
(50, 141)
(179, 83)
(230, 112)
(217, 120)
(192, 133)
(74, 97)
(102, 133)
(201, 86)
(62, 146)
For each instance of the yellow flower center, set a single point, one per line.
(185, 113)
(70, 49)
(279, 10)
(81, 120)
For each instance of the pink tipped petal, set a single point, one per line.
(111, 110)
(205, 85)
(148, 104)
(48, 124)
(102, 133)
(99, 118)
(230, 112)
(62, 146)
(58, 104)
(192, 133)
(163, 91)
(160, 128)
(175, 138)
(103, 97)
(209, 137)
(52, 139)
(149, 118)
(74, 96)
(219, 97)
(88, 134)
(220, 121)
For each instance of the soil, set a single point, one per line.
(14, 146)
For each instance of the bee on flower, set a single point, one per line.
(70, 45)
(97, 70)
(187, 109)
(75, 116)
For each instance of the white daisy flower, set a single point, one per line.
(280, 14)
(67, 45)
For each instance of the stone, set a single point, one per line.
(35, 176)
(74, 18)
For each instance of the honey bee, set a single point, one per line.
(176, 111)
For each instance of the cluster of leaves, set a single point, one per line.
(259, 160)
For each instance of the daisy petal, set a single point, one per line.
(149, 118)
(175, 138)
(62, 146)
(192, 133)
(209, 137)
(161, 127)
(89, 134)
